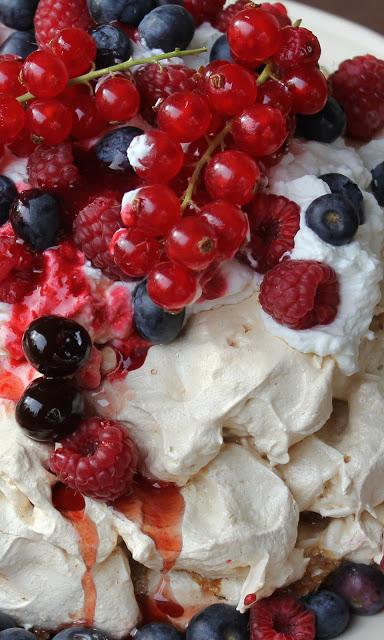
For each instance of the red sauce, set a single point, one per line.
(64, 498)
(160, 606)
(63, 288)
(158, 509)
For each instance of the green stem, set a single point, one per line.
(266, 74)
(124, 66)
(216, 142)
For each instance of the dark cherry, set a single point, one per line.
(50, 409)
(56, 346)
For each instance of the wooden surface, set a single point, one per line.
(369, 13)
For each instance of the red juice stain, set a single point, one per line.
(11, 387)
(71, 505)
(158, 509)
(62, 288)
(160, 606)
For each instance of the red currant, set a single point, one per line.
(172, 286)
(87, 121)
(297, 46)
(185, 116)
(204, 10)
(44, 74)
(193, 243)
(10, 77)
(233, 176)
(308, 87)
(154, 209)
(50, 120)
(134, 253)
(23, 145)
(253, 35)
(76, 48)
(230, 224)
(12, 118)
(260, 130)
(230, 88)
(275, 93)
(117, 99)
(155, 156)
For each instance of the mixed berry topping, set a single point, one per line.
(152, 322)
(218, 621)
(378, 183)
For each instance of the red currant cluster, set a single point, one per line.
(61, 99)
(234, 121)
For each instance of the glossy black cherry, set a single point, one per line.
(50, 409)
(56, 346)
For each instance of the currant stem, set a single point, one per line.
(265, 74)
(124, 66)
(216, 142)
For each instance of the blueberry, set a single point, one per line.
(16, 634)
(19, 43)
(50, 409)
(111, 150)
(56, 346)
(343, 185)
(80, 633)
(378, 183)
(18, 14)
(128, 11)
(113, 45)
(221, 50)
(168, 27)
(326, 126)
(331, 611)
(218, 622)
(362, 586)
(8, 193)
(6, 622)
(158, 631)
(35, 217)
(333, 218)
(152, 322)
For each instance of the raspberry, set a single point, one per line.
(17, 275)
(99, 460)
(274, 222)
(156, 82)
(281, 619)
(358, 85)
(53, 15)
(301, 294)
(93, 229)
(277, 9)
(51, 167)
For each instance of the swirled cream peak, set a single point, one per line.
(41, 563)
(357, 264)
(225, 374)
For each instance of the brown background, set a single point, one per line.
(369, 13)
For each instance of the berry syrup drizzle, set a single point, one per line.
(158, 509)
(72, 507)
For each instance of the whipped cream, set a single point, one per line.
(41, 563)
(224, 375)
(358, 264)
(238, 514)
